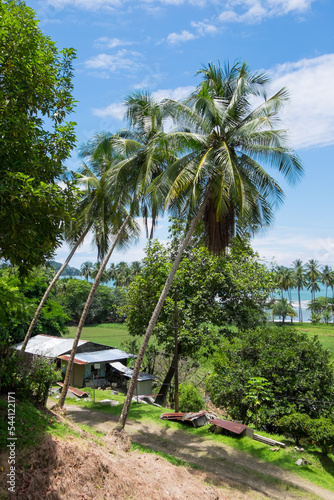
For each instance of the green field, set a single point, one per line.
(111, 334)
(324, 332)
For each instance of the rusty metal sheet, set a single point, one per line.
(76, 361)
(75, 391)
(184, 417)
(229, 426)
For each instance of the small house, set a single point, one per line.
(91, 362)
(144, 381)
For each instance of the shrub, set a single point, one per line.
(321, 433)
(295, 425)
(296, 366)
(190, 398)
(28, 376)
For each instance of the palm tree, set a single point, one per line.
(90, 214)
(130, 161)
(312, 276)
(218, 178)
(86, 269)
(120, 225)
(300, 282)
(104, 276)
(326, 275)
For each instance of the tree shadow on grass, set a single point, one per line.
(326, 461)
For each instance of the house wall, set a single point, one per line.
(143, 388)
(77, 375)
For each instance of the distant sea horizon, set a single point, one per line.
(305, 296)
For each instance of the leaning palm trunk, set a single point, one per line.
(300, 307)
(155, 315)
(97, 280)
(46, 294)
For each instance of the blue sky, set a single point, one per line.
(160, 44)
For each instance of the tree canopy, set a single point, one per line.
(298, 371)
(35, 139)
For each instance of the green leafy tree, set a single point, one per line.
(257, 391)
(219, 177)
(298, 369)
(104, 306)
(35, 139)
(210, 290)
(18, 300)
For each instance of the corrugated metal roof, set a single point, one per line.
(102, 356)
(230, 426)
(128, 372)
(66, 357)
(48, 346)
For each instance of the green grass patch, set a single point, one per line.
(173, 460)
(111, 334)
(31, 425)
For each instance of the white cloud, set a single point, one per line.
(110, 43)
(204, 27)
(176, 94)
(115, 110)
(85, 4)
(177, 38)
(123, 59)
(309, 115)
(286, 244)
(254, 11)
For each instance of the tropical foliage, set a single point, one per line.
(298, 370)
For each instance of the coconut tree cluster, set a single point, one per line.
(213, 168)
(306, 276)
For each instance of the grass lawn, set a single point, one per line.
(111, 334)
(321, 472)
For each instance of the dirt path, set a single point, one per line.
(223, 464)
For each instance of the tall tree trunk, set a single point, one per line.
(154, 317)
(162, 396)
(176, 375)
(97, 280)
(46, 294)
(300, 307)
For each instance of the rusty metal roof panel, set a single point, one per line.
(228, 425)
(76, 361)
(184, 417)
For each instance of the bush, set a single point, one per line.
(28, 376)
(317, 431)
(321, 433)
(295, 425)
(296, 366)
(190, 398)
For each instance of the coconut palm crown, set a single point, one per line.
(224, 145)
